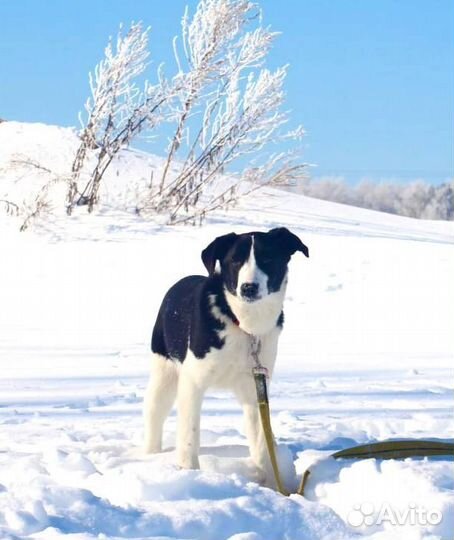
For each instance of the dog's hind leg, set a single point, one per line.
(159, 399)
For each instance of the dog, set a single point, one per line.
(202, 336)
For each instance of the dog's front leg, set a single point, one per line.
(189, 402)
(159, 397)
(246, 393)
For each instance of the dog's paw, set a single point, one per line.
(265, 477)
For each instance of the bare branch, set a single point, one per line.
(11, 208)
(117, 111)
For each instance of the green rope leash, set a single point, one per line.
(394, 449)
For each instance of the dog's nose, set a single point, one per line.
(249, 290)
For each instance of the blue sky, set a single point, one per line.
(372, 81)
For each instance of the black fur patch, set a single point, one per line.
(234, 260)
(186, 319)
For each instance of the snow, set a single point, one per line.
(366, 355)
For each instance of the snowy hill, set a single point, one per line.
(366, 354)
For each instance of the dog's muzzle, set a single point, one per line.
(249, 291)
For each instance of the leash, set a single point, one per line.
(394, 449)
(260, 375)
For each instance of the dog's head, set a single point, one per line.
(252, 265)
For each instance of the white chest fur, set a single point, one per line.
(260, 317)
(228, 366)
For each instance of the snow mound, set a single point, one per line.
(60, 494)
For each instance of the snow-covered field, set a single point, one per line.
(366, 354)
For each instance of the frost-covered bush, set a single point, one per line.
(222, 107)
(226, 114)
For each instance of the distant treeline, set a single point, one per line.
(415, 199)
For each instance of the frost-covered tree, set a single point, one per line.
(416, 199)
(441, 204)
(116, 112)
(228, 109)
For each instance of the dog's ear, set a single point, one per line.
(289, 240)
(216, 251)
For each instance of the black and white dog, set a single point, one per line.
(202, 335)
